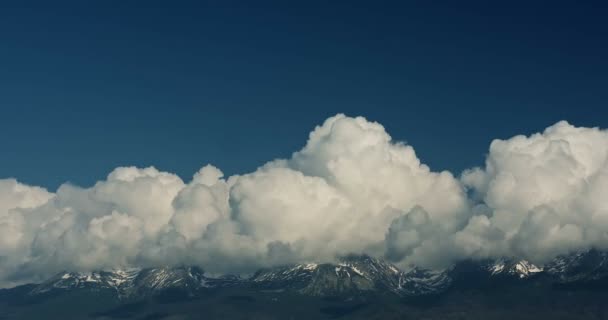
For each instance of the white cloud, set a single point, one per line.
(546, 192)
(350, 189)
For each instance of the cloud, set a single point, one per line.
(546, 192)
(350, 189)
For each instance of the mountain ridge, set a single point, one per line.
(354, 287)
(352, 275)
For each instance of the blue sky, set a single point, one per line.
(88, 87)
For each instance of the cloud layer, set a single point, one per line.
(351, 189)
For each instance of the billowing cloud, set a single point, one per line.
(350, 189)
(547, 192)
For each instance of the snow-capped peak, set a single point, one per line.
(134, 281)
(110, 279)
(522, 268)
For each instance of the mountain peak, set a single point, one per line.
(352, 274)
(519, 268)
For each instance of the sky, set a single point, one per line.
(86, 87)
(242, 135)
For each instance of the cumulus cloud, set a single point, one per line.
(546, 192)
(350, 189)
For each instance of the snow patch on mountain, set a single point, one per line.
(424, 282)
(521, 269)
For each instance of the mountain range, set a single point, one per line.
(357, 286)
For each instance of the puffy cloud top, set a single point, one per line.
(350, 189)
(547, 192)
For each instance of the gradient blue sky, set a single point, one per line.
(86, 87)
